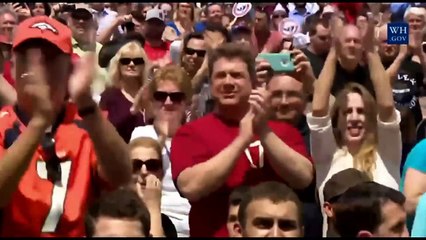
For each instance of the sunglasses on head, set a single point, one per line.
(175, 97)
(151, 165)
(127, 61)
(191, 51)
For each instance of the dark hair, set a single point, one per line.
(274, 191)
(218, 27)
(190, 36)
(314, 22)
(237, 195)
(360, 208)
(138, 16)
(123, 203)
(232, 51)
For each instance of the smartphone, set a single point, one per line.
(280, 62)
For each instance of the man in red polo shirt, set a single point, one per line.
(55, 156)
(235, 145)
(156, 49)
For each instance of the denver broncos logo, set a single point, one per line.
(45, 26)
(241, 9)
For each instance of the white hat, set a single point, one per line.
(279, 8)
(155, 13)
(328, 9)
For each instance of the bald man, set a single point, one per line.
(350, 67)
(288, 104)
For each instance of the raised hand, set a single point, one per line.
(246, 126)
(415, 41)
(303, 68)
(151, 193)
(38, 89)
(369, 38)
(81, 80)
(142, 98)
(264, 72)
(260, 102)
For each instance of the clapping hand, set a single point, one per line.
(79, 85)
(38, 89)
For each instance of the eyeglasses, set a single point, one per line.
(136, 61)
(176, 97)
(191, 51)
(279, 16)
(152, 165)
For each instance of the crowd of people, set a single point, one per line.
(182, 120)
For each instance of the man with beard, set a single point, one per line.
(214, 13)
(289, 93)
(155, 47)
(236, 144)
(406, 76)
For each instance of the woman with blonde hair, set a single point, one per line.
(170, 94)
(359, 132)
(128, 71)
(147, 175)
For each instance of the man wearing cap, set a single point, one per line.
(156, 49)
(333, 189)
(83, 27)
(56, 155)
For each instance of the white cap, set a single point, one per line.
(279, 8)
(328, 9)
(155, 13)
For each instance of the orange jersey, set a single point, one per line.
(40, 208)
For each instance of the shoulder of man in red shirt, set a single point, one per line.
(156, 53)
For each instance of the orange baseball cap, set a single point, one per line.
(43, 27)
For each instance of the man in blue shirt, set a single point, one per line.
(214, 13)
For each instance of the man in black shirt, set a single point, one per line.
(320, 42)
(350, 67)
(407, 82)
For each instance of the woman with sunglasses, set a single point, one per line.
(147, 165)
(127, 70)
(170, 92)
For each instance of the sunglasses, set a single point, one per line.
(136, 61)
(151, 165)
(279, 16)
(191, 51)
(176, 97)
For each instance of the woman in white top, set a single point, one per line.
(359, 132)
(170, 93)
